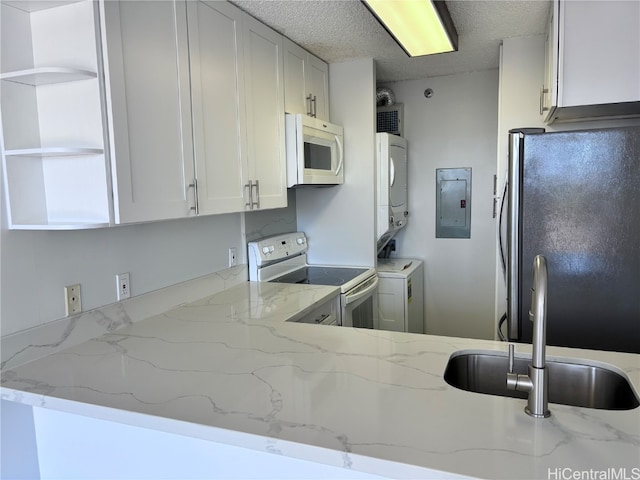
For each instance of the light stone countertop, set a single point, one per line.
(229, 368)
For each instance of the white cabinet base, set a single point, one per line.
(401, 295)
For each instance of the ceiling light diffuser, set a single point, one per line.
(421, 27)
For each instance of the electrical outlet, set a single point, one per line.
(233, 259)
(72, 299)
(123, 286)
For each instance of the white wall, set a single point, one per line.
(271, 222)
(521, 76)
(35, 266)
(72, 446)
(18, 448)
(339, 221)
(457, 127)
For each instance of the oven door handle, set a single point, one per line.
(365, 289)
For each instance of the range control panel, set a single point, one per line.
(279, 247)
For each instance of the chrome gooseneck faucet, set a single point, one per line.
(536, 383)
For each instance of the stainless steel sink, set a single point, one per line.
(576, 384)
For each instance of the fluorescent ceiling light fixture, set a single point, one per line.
(421, 27)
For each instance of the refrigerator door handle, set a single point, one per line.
(516, 150)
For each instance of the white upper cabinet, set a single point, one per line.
(592, 60)
(219, 119)
(266, 178)
(318, 81)
(118, 112)
(56, 175)
(306, 82)
(148, 95)
(238, 110)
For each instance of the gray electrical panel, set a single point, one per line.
(453, 203)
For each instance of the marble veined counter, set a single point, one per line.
(230, 369)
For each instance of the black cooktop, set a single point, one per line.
(332, 276)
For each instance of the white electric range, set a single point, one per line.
(283, 258)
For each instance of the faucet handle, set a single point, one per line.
(512, 378)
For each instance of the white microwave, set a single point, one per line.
(315, 153)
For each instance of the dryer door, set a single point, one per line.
(397, 176)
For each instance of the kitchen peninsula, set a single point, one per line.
(229, 372)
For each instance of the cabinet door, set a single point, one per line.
(264, 89)
(599, 53)
(549, 94)
(217, 88)
(391, 304)
(318, 86)
(148, 99)
(295, 94)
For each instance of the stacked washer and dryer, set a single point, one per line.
(401, 283)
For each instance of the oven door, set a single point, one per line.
(360, 305)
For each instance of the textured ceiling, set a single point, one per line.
(339, 30)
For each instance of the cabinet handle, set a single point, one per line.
(257, 204)
(543, 91)
(314, 107)
(309, 105)
(249, 204)
(196, 207)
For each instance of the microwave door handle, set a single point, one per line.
(363, 293)
(341, 153)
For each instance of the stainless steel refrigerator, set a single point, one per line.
(574, 197)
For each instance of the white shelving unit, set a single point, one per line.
(47, 76)
(55, 170)
(53, 152)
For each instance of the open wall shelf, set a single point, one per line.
(53, 152)
(56, 172)
(47, 75)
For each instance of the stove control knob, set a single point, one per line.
(300, 240)
(271, 249)
(265, 250)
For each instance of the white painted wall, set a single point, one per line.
(18, 447)
(521, 77)
(37, 265)
(76, 447)
(339, 221)
(271, 222)
(457, 127)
